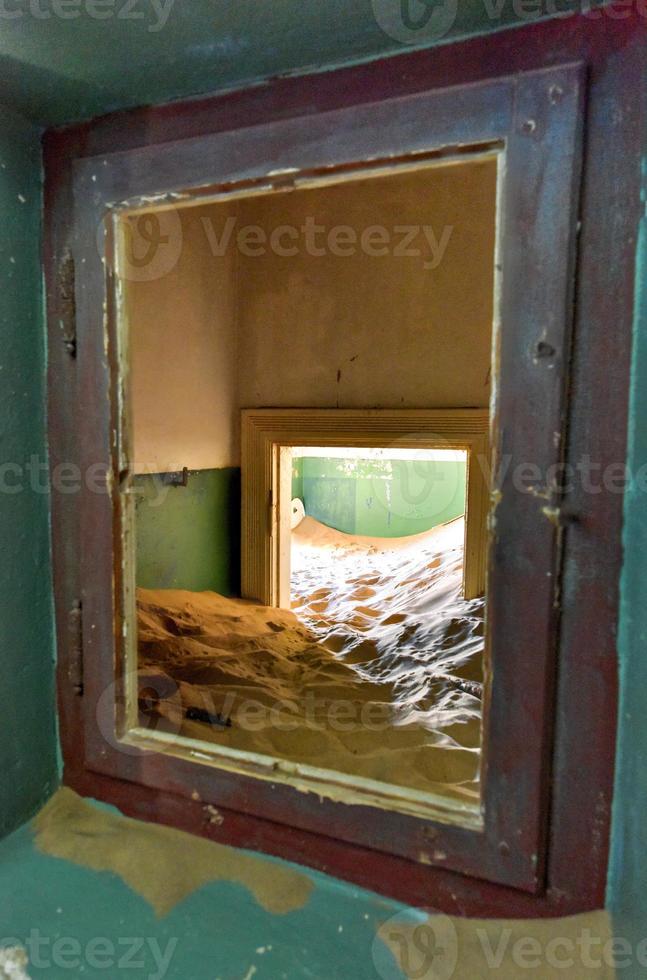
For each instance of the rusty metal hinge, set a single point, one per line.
(75, 651)
(67, 302)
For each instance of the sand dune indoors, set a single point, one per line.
(376, 672)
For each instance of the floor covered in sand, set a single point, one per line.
(376, 672)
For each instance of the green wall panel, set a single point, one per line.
(61, 70)
(28, 745)
(380, 498)
(60, 910)
(189, 537)
(627, 890)
(82, 63)
(297, 477)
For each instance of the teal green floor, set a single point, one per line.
(217, 933)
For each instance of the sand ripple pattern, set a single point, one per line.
(376, 672)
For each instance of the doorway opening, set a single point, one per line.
(377, 558)
(361, 307)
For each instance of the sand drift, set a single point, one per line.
(376, 672)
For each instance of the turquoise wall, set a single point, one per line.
(297, 477)
(381, 498)
(27, 719)
(79, 922)
(189, 537)
(627, 893)
(63, 70)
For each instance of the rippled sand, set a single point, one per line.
(376, 672)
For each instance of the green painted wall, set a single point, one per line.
(297, 477)
(627, 893)
(62, 69)
(189, 537)
(219, 931)
(381, 498)
(27, 719)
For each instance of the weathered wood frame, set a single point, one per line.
(267, 477)
(614, 51)
(537, 135)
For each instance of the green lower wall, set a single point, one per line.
(77, 922)
(380, 498)
(189, 537)
(28, 745)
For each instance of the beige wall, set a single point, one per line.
(366, 331)
(223, 332)
(183, 359)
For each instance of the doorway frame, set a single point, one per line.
(537, 137)
(614, 53)
(266, 476)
